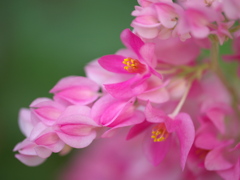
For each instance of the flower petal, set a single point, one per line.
(186, 135)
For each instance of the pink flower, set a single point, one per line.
(231, 9)
(40, 141)
(46, 110)
(197, 19)
(139, 68)
(225, 160)
(222, 31)
(75, 90)
(115, 113)
(161, 134)
(75, 127)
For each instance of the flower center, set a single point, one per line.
(133, 65)
(159, 133)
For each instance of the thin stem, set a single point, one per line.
(216, 68)
(182, 100)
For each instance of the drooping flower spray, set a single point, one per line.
(160, 97)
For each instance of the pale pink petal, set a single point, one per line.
(76, 129)
(181, 52)
(25, 147)
(30, 160)
(75, 114)
(38, 129)
(43, 152)
(147, 53)
(45, 110)
(24, 121)
(74, 81)
(77, 141)
(167, 14)
(47, 139)
(76, 90)
(146, 32)
(40, 101)
(157, 96)
(97, 73)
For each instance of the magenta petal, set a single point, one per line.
(155, 151)
(107, 109)
(154, 115)
(206, 137)
(113, 63)
(136, 119)
(131, 41)
(129, 88)
(30, 160)
(217, 118)
(137, 129)
(215, 160)
(232, 173)
(77, 141)
(186, 135)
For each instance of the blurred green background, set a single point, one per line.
(42, 41)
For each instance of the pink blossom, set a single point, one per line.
(46, 110)
(75, 127)
(115, 113)
(231, 9)
(75, 90)
(198, 19)
(139, 70)
(40, 141)
(159, 138)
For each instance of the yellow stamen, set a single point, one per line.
(133, 65)
(159, 133)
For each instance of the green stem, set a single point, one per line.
(216, 68)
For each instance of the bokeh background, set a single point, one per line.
(42, 41)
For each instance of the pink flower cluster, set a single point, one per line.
(159, 94)
(163, 19)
